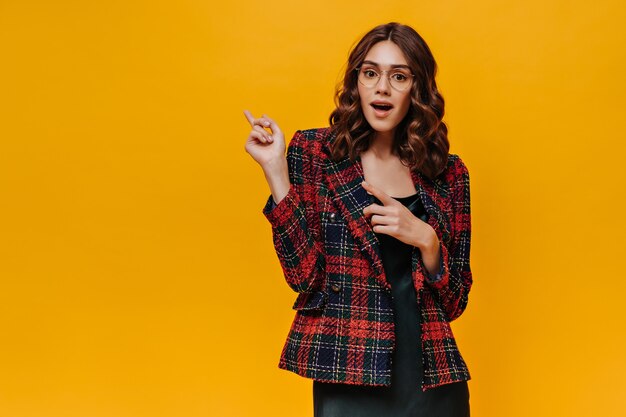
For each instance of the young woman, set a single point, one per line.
(371, 224)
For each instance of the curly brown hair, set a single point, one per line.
(421, 138)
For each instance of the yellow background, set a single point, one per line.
(138, 275)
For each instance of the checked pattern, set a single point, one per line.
(343, 329)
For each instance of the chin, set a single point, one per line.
(382, 125)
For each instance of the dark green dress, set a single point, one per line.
(404, 398)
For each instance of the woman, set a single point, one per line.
(380, 266)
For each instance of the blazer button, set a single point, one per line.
(332, 216)
(336, 287)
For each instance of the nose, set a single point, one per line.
(383, 84)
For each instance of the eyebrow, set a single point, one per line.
(393, 66)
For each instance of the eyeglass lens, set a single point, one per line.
(399, 79)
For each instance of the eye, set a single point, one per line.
(369, 73)
(400, 76)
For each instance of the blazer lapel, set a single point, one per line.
(436, 200)
(344, 182)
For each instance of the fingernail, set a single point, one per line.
(266, 123)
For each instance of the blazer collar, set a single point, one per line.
(344, 179)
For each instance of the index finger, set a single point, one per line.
(381, 195)
(249, 117)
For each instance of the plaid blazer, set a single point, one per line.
(343, 329)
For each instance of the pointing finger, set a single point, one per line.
(382, 196)
(262, 121)
(249, 117)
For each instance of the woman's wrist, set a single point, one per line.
(431, 253)
(425, 236)
(277, 176)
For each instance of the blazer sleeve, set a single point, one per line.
(438, 275)
(452, 284)
(295, 226)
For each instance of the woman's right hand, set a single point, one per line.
(265, 148)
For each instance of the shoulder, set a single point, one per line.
(304, 152)
(310, 140)
(455, 168)
(315, 132)
(454, 177)
(313, 135)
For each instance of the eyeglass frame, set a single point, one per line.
(388, 78)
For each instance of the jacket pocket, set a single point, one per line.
(310, 300)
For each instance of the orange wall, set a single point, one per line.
(138, 276)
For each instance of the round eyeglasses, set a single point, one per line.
(398, 79)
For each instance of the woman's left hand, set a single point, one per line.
(395, 219)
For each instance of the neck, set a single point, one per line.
(382, 145)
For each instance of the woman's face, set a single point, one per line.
(382, 56)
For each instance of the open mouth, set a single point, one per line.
(382, 109)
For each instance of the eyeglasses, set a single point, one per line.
(400, 79)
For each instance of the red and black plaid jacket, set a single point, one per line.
(343, 330)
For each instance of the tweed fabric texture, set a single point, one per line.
(343, 329)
